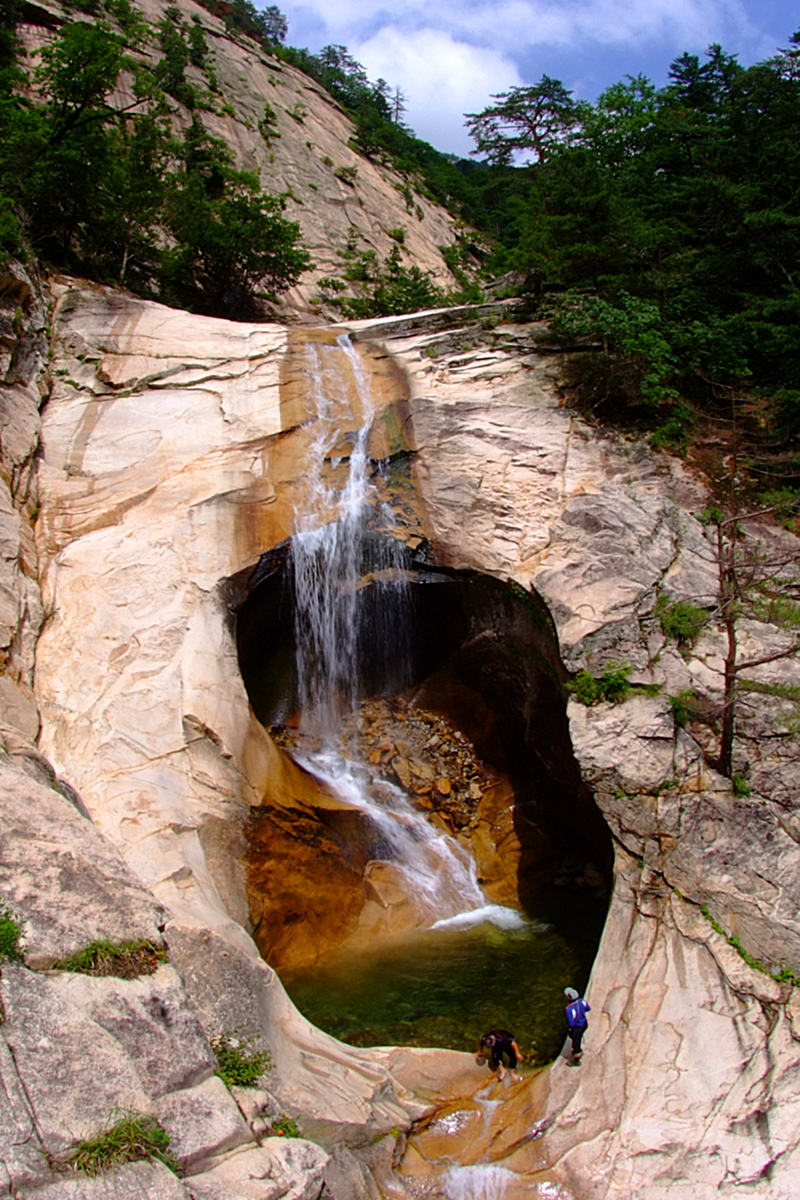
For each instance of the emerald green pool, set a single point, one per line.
(446, 987)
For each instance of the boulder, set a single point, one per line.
(202, 1122)
(63, 879)
(73, 1074)
(278, 1169)
(152, 1019)
(134, 1181)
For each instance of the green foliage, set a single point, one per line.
(612, 685)
(668, 217)
(784, 975)
(681, 621)
(113, 195)
(127, 960)
(268, 125)
(10, 237)
(389, 287)
(229, 236)
(347, 175)
(177, 55)
(198, 46)
(268, 27)
(585, 688)
(240, 1065)
(637, 362)
(11, 936)
(740, 786)
(285, 1127)
(131, 1138)
(535, 118)
(398, 235)
(687, 707)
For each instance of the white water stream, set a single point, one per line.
(328, 570)
(480, 1182)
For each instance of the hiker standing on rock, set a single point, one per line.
(576, 1019)
(500, 1046)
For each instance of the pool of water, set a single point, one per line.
(446, 987)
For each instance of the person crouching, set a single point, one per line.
(500, 1047)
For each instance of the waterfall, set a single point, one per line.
(329, 577)
(328, 559)
(481, 1182)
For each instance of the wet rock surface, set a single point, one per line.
(419, 751)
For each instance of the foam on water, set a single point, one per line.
(440, 873)
(494, 914)
(480, 1182)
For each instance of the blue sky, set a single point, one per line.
(449, 57)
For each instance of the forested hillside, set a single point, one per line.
(658, 227)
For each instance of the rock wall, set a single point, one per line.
(151, 725)
(168, 465)
(689, 1085)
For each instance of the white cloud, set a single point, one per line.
(513, 26)
(449, 59)
(442, 78)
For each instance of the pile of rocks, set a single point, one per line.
(434, 763)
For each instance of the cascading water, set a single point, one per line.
(327, 559)
(329, 573)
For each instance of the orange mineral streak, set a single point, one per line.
(309, 852)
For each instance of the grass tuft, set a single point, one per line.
(128, 960)
(612, 685)
(285, 1127)
(131, 1138)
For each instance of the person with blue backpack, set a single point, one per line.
(576, 1020)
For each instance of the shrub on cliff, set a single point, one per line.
(110, 192)
(11, 936)
(612, 685)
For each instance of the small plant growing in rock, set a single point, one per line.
(131, 1138)
(268, 125)
(682, 621)
(612, 685)
(347, 175)
(397, 235)
(285, 1127)
(688, 706)
(240, 1065)
(128, 960)
(740, 786)
(11, 936)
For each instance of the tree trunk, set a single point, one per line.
(726, 559)
(728, 703)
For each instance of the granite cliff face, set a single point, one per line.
(158, 457)
(170, 450)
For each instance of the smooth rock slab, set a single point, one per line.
(151, 1017)
(202, 1121)
(279, 1169)
(136, 1181)
(22, 1158)
(73, 1073)
(68, 883)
